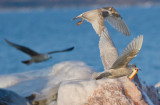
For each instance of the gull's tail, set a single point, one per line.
(28, 62)
(103, 74)
(100, 75)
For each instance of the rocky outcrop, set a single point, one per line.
(10, 98)
(70, 83)
(121, 91)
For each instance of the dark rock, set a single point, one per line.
(8, 97)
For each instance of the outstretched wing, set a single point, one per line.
(108, 51)
(22, 48)
(115, 20)
(129, 53)
(68, 49)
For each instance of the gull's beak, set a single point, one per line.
(75, 18)
(79, 16)
(80, 22)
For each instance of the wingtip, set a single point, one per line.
(125, 31)
(72, 48)
(140, 37)
(137, 42)
(5, 39)
(127, 34)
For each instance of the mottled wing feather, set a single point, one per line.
(68, 49)
(108, 51)
(118, 23)
(22, 48)
(129, 53)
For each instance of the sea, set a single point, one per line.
(44, 30)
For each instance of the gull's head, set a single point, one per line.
(89, 16)
(109, 11)
(46, 56)
(134, 70)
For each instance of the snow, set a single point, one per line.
(76, 92)
(42, 81)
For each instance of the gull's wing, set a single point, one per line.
(68, 49)
(22, 48)
(116, 21)
(103, 74)
(108, 51)
(129, 53)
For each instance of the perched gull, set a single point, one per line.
(35, 57)
(96, 17)
(121, 67)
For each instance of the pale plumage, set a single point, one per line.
(121, 67)
(108, 51)
(96, 17)
(35, 57)
(129, 53)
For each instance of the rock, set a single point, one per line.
(72, 83)
(157, 86)
(150, 91)
(121, 91)
(124, 91)
(8, 97)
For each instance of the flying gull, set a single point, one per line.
(97, 16)
(121, 67)
(35, 57)
(108, 51)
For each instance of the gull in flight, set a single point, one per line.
(108, 51)
(121, 67)
(35, 57)
(97, 16)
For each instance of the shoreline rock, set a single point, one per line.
(70, 83)
(121, 91)
(8, 97)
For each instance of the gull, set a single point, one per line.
(121, 67)
(35, 57)
(96, 17)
